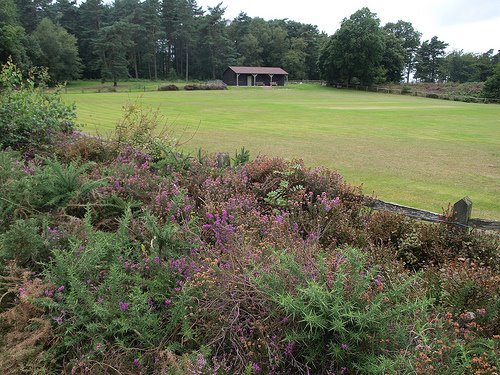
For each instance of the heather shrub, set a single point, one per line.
(71, 147)
(462, 286)
(454, 344)
(30, 116)
(419, 244)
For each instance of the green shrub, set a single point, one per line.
(142, 130)
(29, 115)
(405, 89)
(342, 314)
(242, 157)
(111, 293)
(58, 184)
(24, 243)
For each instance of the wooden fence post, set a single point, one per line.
(223, 160)
(462, 210)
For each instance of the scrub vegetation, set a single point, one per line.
(124, 255)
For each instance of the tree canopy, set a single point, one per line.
(178, 39)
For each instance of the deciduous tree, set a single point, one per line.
(355, 50)
(410, 41)
(58, 51)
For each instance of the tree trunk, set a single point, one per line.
(155, 67)
(135, 66)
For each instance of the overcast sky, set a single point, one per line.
(470, 25)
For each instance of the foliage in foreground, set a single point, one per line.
(128, 256)
(145, 264)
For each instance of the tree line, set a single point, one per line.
(177, 39)
(362, 51)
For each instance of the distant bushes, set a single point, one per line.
(170, 87)
(193, 87)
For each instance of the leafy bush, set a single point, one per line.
(30, 116)
(141, 129)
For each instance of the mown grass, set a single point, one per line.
(415, 151)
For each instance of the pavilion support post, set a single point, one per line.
(271, 82)
(254, 79)
(237, 79)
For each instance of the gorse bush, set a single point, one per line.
(342, 315)
(30, 116)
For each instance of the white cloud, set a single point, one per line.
(473, 26)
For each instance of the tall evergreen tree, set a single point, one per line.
(112, 44)
(216, 46)
(153, 36)
(91, 20)
(430, 59)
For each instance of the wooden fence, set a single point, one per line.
(461, 214)
(424, 94)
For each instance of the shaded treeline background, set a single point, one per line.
(177, 39)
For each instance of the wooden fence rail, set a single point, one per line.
(461, 214)
(424, 94)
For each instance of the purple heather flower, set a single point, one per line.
(343, 370)
(123, 306)
(157, 260)
(168, 302)
(48, 293)
(136, 362)
(256, 367)
(344, 346)
(60, 289)
(59, 319)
